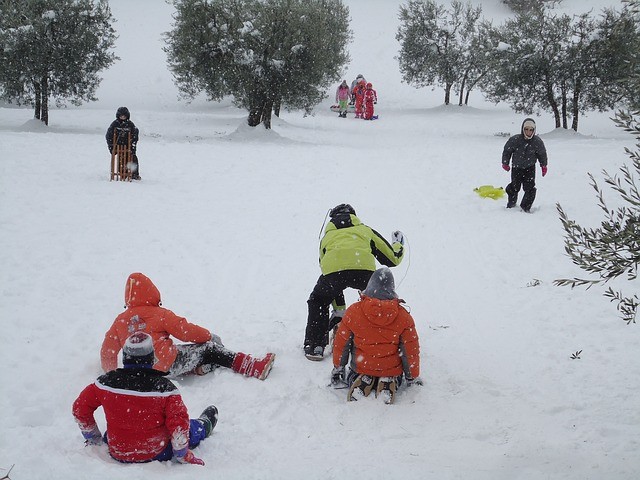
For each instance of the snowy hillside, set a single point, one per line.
(226, 223)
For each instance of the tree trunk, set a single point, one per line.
(466, 97)
(552, 103)
(255, 113)
(276, 107)
(447, 93)
(564, 108)
(45, 101)
(267, 108)
(462, 85)
(575, 108)
(38, 95)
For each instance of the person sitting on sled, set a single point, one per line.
(348, 253)
(144, 313)
(120, 129)
(370, 99)
(342, 98)
(379, 335)
(358, 95)
(146, 418)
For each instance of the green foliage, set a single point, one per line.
(613, 249)
(265, 53)
(563, 64)
(528, 6)
(53, 48)
(437, 45)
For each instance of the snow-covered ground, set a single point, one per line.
(226, 223)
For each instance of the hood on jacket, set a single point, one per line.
(123, 111)
(341, 215)
(528, 122)
(381, 285)
(140, 291)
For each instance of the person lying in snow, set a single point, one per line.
(379, 335)
(144, 313)
(146, 418)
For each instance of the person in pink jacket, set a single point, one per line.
(342, 98)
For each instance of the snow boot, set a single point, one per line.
(315, 354)
(209, 418)
(360, 388)
(386, 389)
(253, 367)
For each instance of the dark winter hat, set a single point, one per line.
(342, 209)
(123, 111)
(138, 351)
(381, 285)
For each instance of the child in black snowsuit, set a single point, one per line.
(122, 126)
(523, 150)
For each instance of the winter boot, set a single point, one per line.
(386, 389)
(253, 367)
(209, 418)
(314, 354)
(360, 388)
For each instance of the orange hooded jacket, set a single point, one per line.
(380, 336)
(144, 313)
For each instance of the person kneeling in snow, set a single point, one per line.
(144, 313)
(380, 336)
(146, 418)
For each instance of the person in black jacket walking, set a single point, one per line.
(523, 151)
(122, 126)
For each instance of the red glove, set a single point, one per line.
(188, 457)
(506, 167)
(544, 170)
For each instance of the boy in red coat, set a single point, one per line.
(146, 418)
(144, 313)
(370, 98)
(358, 94)
(380, 336)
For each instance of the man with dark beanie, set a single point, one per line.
(146, 418)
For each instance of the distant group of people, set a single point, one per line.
(360, 94)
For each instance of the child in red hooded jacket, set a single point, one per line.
(205, 353)
(380, 337)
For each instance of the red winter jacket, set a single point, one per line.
(144, 313)
(143, 409)
(380, 336)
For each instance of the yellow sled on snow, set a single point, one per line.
(489, 191)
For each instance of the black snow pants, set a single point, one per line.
(525, 178)
(328, 289)
(192, 355)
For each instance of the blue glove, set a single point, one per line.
(92, 437)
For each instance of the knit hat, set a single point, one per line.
(138, 351)
(381, 285)
(528, 123)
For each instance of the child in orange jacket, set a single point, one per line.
(144, 313)
(380, 337)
